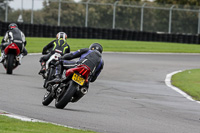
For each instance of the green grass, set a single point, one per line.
(189, 82)
(35, 45)
(10, 125)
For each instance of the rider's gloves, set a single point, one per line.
(44, 52)
(57, 63)
(61, 58)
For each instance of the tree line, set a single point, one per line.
(101, 16)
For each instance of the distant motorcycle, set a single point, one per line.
(50, 65)
(71, 89)
(11, 60)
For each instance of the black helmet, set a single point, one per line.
(12, 25)
(62, 35)
(96, 46)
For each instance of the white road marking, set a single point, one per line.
(168, 83)
(34, 54)
(148, 53)
(151, 53)
(24, 118)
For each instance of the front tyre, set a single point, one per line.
(48, 98)
(10, 63)
(66, 95)
(50, 76)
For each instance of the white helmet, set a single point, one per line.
(61, 35)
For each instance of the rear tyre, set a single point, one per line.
(10, 63)
(66, 95)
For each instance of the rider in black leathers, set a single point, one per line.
(91, 57)
(59, 44)
(14, 35)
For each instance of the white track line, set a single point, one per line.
(24, 118)
(168, 83)
(34, 54)
(151, 53)
(148, 53)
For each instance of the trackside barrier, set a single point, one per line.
(37, 30)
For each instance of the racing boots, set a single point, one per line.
(55, 80)
(2, 57)
(19, 58)
(43, 69)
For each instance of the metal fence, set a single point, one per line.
(148, 17)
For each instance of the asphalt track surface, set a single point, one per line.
(130, 96)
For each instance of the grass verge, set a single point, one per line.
(11, 125)
(188, 81)
(35, 45)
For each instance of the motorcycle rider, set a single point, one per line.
(58, 44)
(14, 35)
(89, 56)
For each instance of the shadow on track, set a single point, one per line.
(14, 74)
(70, 109)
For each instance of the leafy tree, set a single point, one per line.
(1, 1)
(3, 8)
(183, 21)
(101, 16)
(180, 2)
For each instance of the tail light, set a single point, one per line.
(12, 46)
(82, 69)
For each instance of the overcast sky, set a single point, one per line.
(27, 4)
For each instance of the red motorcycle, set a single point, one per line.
(11, 60)
(71, 89)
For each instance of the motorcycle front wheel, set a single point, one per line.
(66, 95)
(48, 98)
(50, 76)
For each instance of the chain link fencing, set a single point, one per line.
(149, 16)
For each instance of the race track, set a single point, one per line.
(130, 96)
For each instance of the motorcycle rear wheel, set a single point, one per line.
(66, 96)
(10, 63)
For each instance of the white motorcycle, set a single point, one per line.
(51, 66)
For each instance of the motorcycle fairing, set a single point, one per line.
(82, 69)
(12, 48)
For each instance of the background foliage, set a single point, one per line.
(101, 16)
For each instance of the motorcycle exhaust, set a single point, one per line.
(79, 94)
(84, 90)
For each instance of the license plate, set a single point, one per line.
(78, 79)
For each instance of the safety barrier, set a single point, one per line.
(35, 30)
